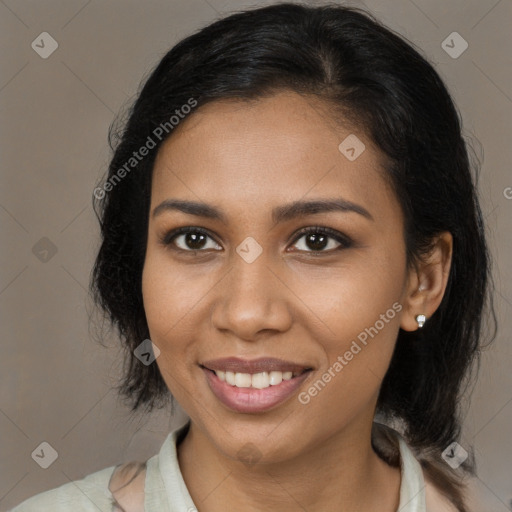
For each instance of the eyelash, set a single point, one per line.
(344, 241)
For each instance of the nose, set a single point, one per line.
(252, 301)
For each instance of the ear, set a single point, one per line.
(426, 282)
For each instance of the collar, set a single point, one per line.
(164, 475)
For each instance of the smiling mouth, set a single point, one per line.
(258, 386)
(260, 380)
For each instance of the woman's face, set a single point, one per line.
(250, 285)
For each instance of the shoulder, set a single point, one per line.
(127, 486)
(88, 494)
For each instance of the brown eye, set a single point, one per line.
(321, 239)
(190, 239)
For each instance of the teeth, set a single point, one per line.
(256, 380)
(243, 380)
(275, 378)
(260, 380)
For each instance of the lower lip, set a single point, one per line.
(250, 400)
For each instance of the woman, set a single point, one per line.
(290, 218)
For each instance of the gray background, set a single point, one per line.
(55, 112)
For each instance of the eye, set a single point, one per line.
(190, 239)
(315, 239)
(320, 239)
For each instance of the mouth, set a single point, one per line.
(254, 386)
(260, 380)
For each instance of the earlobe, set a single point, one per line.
(427, 283)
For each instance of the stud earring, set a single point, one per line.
(421, 320)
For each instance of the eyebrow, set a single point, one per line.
(279, 214)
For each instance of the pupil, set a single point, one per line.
(194, 240)
(316, 241)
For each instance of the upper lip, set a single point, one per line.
(263, 364)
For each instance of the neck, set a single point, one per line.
(342, 473)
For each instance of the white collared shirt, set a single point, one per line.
(165, 490)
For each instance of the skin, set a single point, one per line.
(290, 303)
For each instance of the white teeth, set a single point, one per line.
(260, 380)
(276, 378)
(256, 380)
(243, 380)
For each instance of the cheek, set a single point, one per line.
(356, 361)
(169, 293)
(166, 303)
(359, 308)
(348, 299)
(174, 304)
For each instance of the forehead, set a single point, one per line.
(275, 149)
